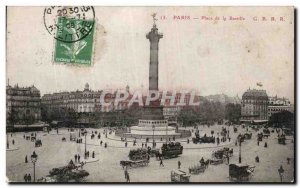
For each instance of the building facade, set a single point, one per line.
(23, 105)
(78, 101)
(278, 104)
(254, 105)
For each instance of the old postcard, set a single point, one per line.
(150, 94)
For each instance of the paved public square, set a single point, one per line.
(56, 153)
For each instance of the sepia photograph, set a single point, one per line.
(150, 94)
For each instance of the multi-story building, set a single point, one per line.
(254, 106)
(79, 101)
(274, 101)
(277, 104)
(23, 105)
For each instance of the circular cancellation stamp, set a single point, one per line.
(69, 24)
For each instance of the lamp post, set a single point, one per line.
(240, 151)
(34, 158)
(153, 127)
(7, 142)
(280, 171)
(85, 133)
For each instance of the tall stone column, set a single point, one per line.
(153, 37)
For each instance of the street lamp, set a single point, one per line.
(240, 151)
(280, 171)
(34, 158)
(85, 133)
(7, 142)
(153, 127)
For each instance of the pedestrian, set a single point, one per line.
(142, 145)
(258, 142)
(13, 142)
(78, 157)
(236, 143)
(229, 139)
(257, 159)
(148, 157)
(26, 160)
(188, 141)
(29, 178)
(93, 155)
(127, 175)
(24, 138)
(161, 162)
(179, 164)
(227, 156)
(266, 145)
(25, 178)
(288, 160)
(101, 143)
(126, 144)
(145, 145)
(75, 158)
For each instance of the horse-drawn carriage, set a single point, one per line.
(240, 172)
(241, 138)
(133, 164)
(38, 143)
(247, 136)
(219, 156)
(153, 152)
(171, 150)
(204, 139)
(137, 158)
(281, 139)
(216, 161)
(197, 169)
(179, 176)
(138, 154)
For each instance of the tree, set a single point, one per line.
(283, 118)
(232, 112)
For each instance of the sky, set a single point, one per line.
(208, 56)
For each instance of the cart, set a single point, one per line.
(240, 172)
(197, 169)
(179, 176)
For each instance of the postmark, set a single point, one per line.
(59, 18)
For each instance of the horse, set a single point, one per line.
(205, 163)
(125, 164)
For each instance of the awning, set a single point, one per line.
(32, 126)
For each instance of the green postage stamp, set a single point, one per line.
(74, 41)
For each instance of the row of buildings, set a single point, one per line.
(23, 104)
